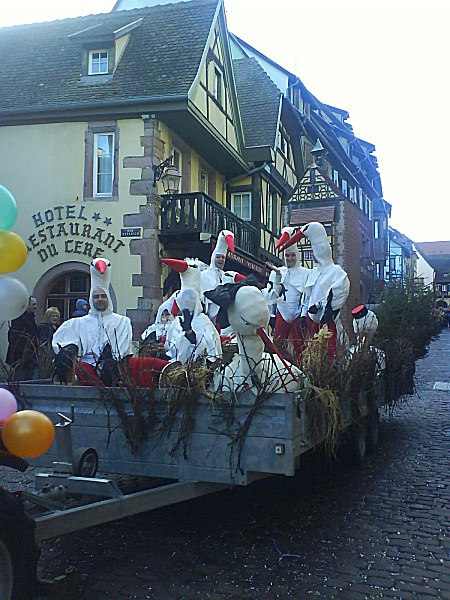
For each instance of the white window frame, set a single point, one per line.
(336, 177)
(376, 229)
(96, 174)
(96, 61)
(177, 161)
(344, 187)
(218, 85)
(237, 205)
(271, 204)
(204, 181)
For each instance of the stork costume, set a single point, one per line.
(191, 334)
(365, 325)
(92, 334)
(251, 367)
(214, 275)
(327, 286)
(286, 290)
(189, 270)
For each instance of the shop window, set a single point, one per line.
(66, 290)
(241, 205)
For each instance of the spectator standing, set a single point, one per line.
(50, 323)
(23, 341)
(81, 308)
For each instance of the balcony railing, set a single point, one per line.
(197, 213)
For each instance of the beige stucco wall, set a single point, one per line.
(43, 167)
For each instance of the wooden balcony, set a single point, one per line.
(186, 216)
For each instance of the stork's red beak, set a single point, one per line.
(269, 343)
(230, 242)
(238, 277)
(298, 235)
(175, 308)
(283, 239)
(180, 266)
(101, 266)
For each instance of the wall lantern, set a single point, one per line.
(168, 174)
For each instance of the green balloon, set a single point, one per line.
(8, 209)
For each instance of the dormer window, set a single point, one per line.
(98, 62)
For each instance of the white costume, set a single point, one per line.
(323, 278)
(211, 277)
(251, 367)
(207, 343)
(92, 332)
(286, 287)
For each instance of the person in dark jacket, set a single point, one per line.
(23, 342)
(50, 323)
(81, 308)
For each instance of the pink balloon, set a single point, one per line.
(8, 405)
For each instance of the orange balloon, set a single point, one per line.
(13, 251)
(28, 433)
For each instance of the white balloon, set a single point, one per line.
(14, 298)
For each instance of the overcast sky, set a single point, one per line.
(384, 61)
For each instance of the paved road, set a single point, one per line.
(379, 531)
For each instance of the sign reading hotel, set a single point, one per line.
(70, 229)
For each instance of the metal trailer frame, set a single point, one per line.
(277, 437)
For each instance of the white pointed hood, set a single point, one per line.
(286, 233)
(317, 235)
(225, 242)
(100, 278)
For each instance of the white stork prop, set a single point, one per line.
(251, 367)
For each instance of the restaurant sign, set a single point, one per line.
(71, 229)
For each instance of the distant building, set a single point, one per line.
(437, 255)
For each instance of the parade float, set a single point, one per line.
(204, 426)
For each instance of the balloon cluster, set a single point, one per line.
(13, 254)
(26, 433)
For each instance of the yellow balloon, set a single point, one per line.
(13, 251)
(28, 433)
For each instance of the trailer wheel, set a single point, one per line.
(373, 426)
(354, 446)
(19, 553)
(85, 462)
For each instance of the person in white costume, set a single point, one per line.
(189, 270)
(286, 290)
(101, 330)
(215, 275)
(327, 286)
(191, 334)
(99, 340)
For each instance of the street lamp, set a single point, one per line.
(168, 174)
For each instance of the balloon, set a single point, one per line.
(28, 433)
(8, 209)
(8, 405)
(13, 251)
(14, 298)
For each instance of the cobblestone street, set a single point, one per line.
(377, 531)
